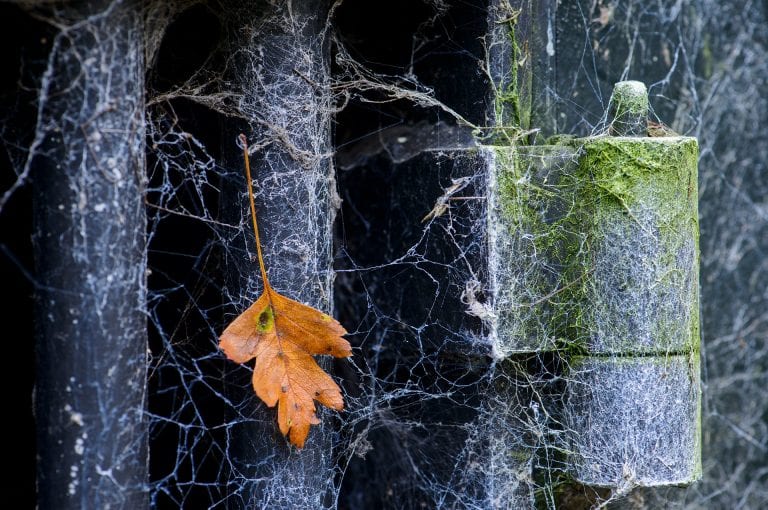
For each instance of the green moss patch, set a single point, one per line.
(597, 245)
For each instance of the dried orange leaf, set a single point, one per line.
(283, 334)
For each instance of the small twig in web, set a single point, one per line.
(441, 205)
(301, 75)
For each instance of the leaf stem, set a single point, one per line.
(253, 210)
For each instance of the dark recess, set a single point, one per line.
(376, 225)
(26, 43)
(185, 295)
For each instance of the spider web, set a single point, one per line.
(407, 180)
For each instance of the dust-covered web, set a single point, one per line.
(505, 300)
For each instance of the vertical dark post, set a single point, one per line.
(90, 260)
(282, 73)
(519, 58)
(507, 43)
(520, 45)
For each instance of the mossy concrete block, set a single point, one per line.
(634, 421)
(527, 236)
(593, 245)
(637, 208)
